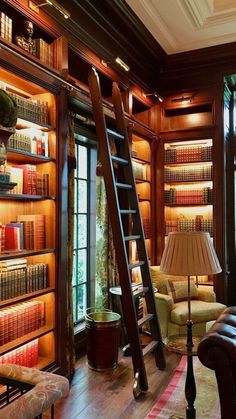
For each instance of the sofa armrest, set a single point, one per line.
(164, 304)
(206, 294)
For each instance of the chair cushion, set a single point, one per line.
(178, 290)
(201, 311)
(159, 280)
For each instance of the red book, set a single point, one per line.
(12, 238)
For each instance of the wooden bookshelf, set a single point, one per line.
(14, 206)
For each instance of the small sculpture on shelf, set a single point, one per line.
(24, 40)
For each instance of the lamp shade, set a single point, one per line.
(189, 253)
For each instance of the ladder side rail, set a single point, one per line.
(117, 228)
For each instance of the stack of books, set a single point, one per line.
(20, 319)
(188, 154)
(5, 27)
(18, 278)
(139, 170)
(33, 231)
(188, 196)
(36, 111)
(190, 224)
(188, 174)
(29, 181)
(43, 51)
(37, 144)
(26, 355)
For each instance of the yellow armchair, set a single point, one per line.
(173, 313)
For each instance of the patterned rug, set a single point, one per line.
(172, 402)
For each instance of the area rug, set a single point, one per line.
(173, 403)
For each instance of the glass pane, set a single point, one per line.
(75, 262)
(82, 196)
(75, 231)
(82, 230)
(82, 301)
(76, 199)
(77, 161)
(82, 162)
(82, 266)
(74, 305)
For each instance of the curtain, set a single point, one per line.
(106, 268)
(70, 347)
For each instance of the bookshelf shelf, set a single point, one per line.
(23, 156)
(25, 339)
(26, 296)
(186, 205)
(137, 180)
(189, 162)
(177, 182)
(25, 197)
(25, 253)
(24, 123)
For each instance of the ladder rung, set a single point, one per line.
(128, 238)
(145, 319)
(136, 264)
(127, 212)
(124, 185)
(119, 160)
(115, 134)
(150, 347)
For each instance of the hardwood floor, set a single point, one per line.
(108, 394)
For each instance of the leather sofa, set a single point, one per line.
(217, 351)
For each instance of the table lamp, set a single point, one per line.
(189, 254)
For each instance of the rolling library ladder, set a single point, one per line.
(125, 215)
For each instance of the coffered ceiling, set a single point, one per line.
(185, 25)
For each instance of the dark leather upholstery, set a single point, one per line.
(217, 350)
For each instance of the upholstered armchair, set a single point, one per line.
(44, 390)
(171, 302)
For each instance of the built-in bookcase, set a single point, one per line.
(28, 264)
(188, 187)
(141, 158)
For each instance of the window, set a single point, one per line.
(84, 228)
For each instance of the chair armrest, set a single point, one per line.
(206, 294)
(164, 304)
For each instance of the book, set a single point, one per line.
(12, 238)
(36, 231)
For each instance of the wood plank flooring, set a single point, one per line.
(109, 395)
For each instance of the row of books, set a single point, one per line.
(35, 145)
(190, 224)
(188, 174)
(27, 232)
(19, 278)
(34, 110)
(43, 51)
(188, 153)
(140, 170)
(20, 319)
(5, 27)
(188, 196)
(26, 355)
(29, 180)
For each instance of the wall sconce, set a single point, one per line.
(154, 94)
(122, 64)
(34, 6)
(183, 99)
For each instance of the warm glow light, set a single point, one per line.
(121, 63)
